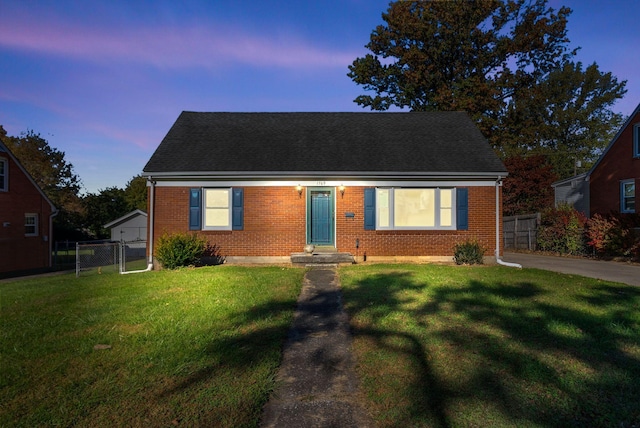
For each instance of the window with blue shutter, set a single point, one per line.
(462, 209)
(195, 209)
(369, 208)
(237, 221)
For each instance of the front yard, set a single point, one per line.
(436, 346)
(442, 346)
(194, 347)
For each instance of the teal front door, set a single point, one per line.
(320, 220)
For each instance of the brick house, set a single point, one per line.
(615, 177)
(612, 182)
(26, 216)
(380, 186)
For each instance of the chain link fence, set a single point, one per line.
(104, 257)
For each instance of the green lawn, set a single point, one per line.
(436, 346)
(442, 346)
(193, 347)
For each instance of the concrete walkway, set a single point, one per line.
(316, 383)
(608, 271)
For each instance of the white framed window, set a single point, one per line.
(4, 175)
(415, 208)
(217, 209)
(628, 196)
(30, 224)
(636, 140)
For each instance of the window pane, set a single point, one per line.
(3, 174)
(414, 207)
(217, 198)
(382, 202)
(629, 190)
(217, 212)
(446, 207)
(216, 217)
(30, 224)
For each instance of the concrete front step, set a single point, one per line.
(321, 258)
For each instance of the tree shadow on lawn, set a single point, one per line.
(501, 353)
(238, 367)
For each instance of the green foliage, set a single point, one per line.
(614, 235)
(102, 208)
(468, 253)
(180, 249)
(562, 231)
(505, 62)
(135, 193)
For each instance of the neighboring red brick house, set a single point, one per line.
(25, 218)
(261, 186)
(614, 179)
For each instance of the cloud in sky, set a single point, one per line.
(165, 46)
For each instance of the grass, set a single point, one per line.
(437, 346)
(193, 347)
(442, 346)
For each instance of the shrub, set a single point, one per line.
(180, 249)
(614, 235)
(562, 230)
(468, 253)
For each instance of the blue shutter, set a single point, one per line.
(195, 209)
(237, 220)
(462, 209)
(370, 208)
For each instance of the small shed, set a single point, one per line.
(130, 227)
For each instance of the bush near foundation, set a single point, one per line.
(562, 231)
(615, 234)
(468, 253)
(180, 249)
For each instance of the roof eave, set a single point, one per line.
(259, 175)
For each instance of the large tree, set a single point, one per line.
(135, 193)
(103, 207)
(498, 60)
(54, 175)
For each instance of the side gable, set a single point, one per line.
(633, 119)
(4, 150)
(614, 179)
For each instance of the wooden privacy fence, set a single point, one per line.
(520, 232)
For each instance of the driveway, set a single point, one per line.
(609, 271)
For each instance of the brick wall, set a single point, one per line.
(275, 224)
(616, 165)
(17, 251)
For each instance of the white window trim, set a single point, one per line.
(229, 209)
(5, 161)
(35, 224)
(437, 210)
(636, 140)
(622, 198)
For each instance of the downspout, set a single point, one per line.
(51, 216)
(151, 184)
(152, 194)
(498, 260)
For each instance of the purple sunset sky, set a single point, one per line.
(104, 81)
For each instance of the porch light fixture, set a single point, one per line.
(299, 189)
(341, 188)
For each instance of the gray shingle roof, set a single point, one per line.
(340, 143)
